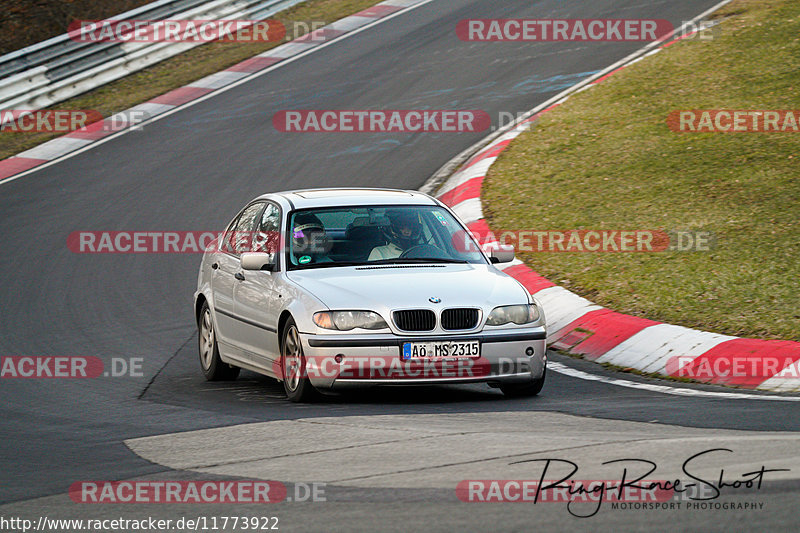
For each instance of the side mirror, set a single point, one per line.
(499, 253)
(257, 261)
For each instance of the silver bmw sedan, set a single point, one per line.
(324, 289)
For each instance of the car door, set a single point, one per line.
(255, 297)
(228, 274)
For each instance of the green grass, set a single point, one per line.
(180, 70)
(606, 159)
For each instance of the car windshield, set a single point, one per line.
(357, 236)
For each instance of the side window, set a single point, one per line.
(268, 235)
(238, 238)
(225, 245)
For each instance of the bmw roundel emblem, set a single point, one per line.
(434, 300)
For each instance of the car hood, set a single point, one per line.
(383, 288)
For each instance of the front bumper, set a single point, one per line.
(507, 356)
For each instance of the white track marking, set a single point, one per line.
(562, 307)
(664, 389)
(290, 49)
(503, 266)
(469, 210)
(654, 345)
(218, 79)
(785, 381)
(475, 171)
(350, 23)
(54, 148)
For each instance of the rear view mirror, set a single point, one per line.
(499, 253)
(258, 261)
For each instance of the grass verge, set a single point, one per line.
(605, 159)
(180, 70)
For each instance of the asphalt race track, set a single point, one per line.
(391, 458)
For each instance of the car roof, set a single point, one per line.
(334, 197)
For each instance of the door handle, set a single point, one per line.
(239, 276)
(214, 266)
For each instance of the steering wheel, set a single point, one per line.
(423, 251)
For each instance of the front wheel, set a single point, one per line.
(524, 390)
(214, 368)
(293, 364)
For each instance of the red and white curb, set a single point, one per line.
(13, 167)
(578, 326)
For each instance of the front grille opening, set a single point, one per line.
(415, 320)
(453, 319)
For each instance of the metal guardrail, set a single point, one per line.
(59, 68)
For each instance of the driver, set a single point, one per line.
(310, 243)
(403, 232)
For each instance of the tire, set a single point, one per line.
(524, 390)
(214, 368)
(293, 366)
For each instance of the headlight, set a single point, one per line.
(347, 320)
(518, 314)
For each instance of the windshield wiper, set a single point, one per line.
(395, 261)
(415, 260)
(329, 264)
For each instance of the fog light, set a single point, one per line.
(339, 358)
(529, 350)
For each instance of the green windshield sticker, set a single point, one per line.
(440, 217)
(305, 259)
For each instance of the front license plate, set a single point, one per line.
(441, 349)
